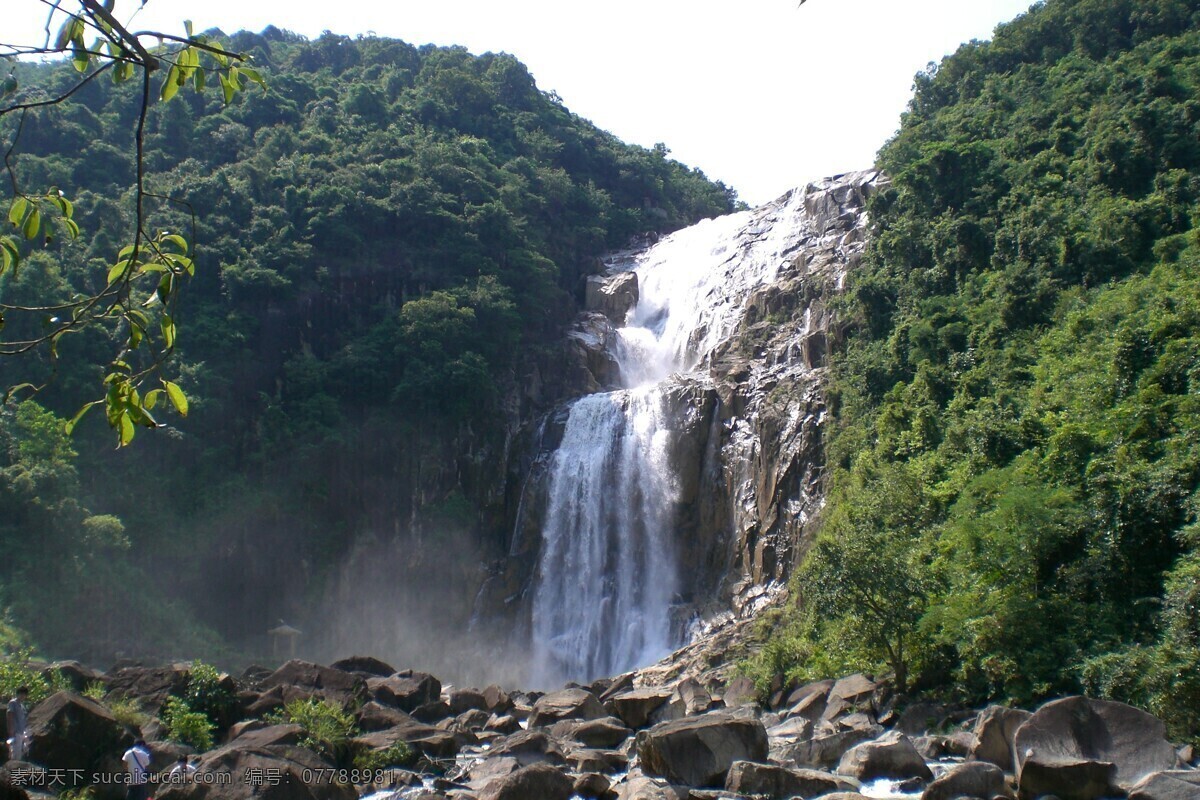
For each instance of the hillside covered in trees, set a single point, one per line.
(1013, 505)
(387, 239)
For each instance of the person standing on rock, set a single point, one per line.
(18, 733)
(137, 761)
(182, 771)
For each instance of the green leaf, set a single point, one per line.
(151, 398)
(123, 72)
(17, 211)
(187, 26)
(227, 88)
(33, 224)
(178, 398)
(72, 227)
(14, 389)
(171, 84)
(9, 87)
(9, 253)
(125, 426)
(117, 271)
(80, 59)
(64, 34)
(177, 240)
(200, 79)
(168, 330)
(254, 75)
(70, 426)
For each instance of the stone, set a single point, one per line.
(228, 774)
(975, 779)
(699, 751)
(995, 735)
(1075, 730)
(497, 700)
(808, 690)
(740, 692)
(854, 689)
(74, 673)
(302, 679)
(406, 690)
(612, 295)
(14, 787)
(825, 750)
(149, 685)
(565, 704)
(773, 781)
(1168, 785)
(431, 741)
(481, 774)
(433, 712)
(592, 785)
(504, 724)
(635, 706)
(694, 697)
(643, 787)
(606, 732)
(921, 718)
(529, 747)
(539, 780)
(1066, 778)
(71, 732)
(890, 756)
(374, 716)
(461, 700)
(268, 735)
(364, 665)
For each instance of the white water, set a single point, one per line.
(608, 571)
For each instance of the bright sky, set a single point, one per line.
(762, 94)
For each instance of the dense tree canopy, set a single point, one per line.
(1023, 368)
(379, 239)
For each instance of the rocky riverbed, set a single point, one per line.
(634, 737)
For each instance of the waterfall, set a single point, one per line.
(608, 572)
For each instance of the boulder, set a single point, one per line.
(995, 734)
(592, 786)
(635, 706)
(612, 295)
(772, 781)
(565, 704)
(473, 720)
(975, 779)
(602, 733)
(1066, 778)
(921, 718)
(275, 772)
(539, 780)
(890, 756)
(503, 724)
(431, 741)
(643, 787)
(481, 774)
(528, 747)
(855, 689)
(740, 692)
(15, 787)
(463, 700)
(149, 685)
(406, 690)
(74, 673)
(72, 732)
(364, 665)
(825, 750)
(1075, 730)
(497, 700)
(603, 761)
(300, 679)
(268, 735)
(699, 751)
(1171, 785)
(377, 717)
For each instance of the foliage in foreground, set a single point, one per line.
(1014, 468)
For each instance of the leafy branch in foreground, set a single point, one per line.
(141, 287)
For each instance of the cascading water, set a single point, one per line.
(608, 569)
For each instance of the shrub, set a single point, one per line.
(205, 694)
(328, 727)
(187, 726)
(398, 755)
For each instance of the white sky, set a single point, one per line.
(762, 94)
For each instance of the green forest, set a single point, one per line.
(387, 240)
(1013, 508)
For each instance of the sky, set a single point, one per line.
(764, 95)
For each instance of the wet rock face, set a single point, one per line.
(612, 295)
